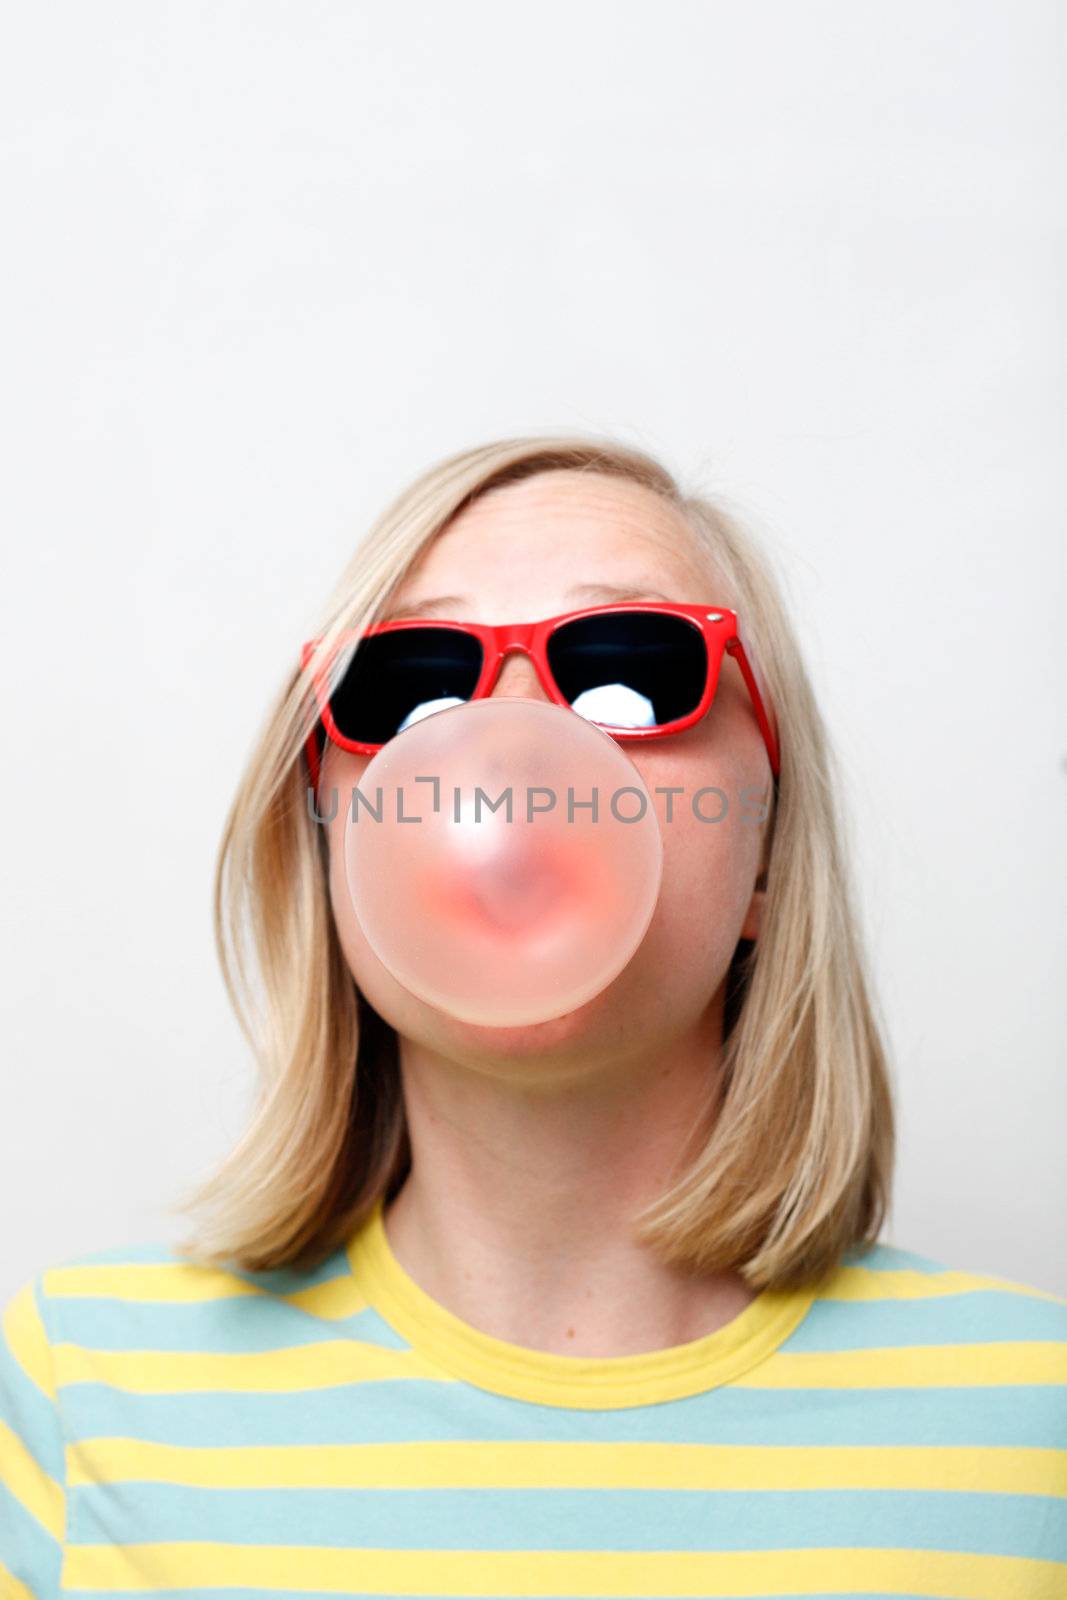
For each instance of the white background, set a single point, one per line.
(264, 262)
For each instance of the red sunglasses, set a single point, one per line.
(639, 670)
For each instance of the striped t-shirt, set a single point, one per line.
(168, 1428)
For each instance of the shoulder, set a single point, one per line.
(48, 1307)
(924, 1322)
(148, 1270)
(984, 1302)
(152, 1295)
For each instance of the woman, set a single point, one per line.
(591, 1306)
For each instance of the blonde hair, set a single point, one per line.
(794, 1164)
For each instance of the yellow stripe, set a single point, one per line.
(36, 1491)
(625, 1573)
(952, 1366)
(295, 1369)
(548, 1465)
(13, 1588)
(182, 1283)
(304, 1368)
(149, 1280)
(27, 1340)
(868, 1283)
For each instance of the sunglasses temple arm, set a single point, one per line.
(737, 650)
(311, 748)
(311, 757)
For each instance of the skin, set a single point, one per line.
(533, 1146)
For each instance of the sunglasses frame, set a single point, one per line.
(717, 624)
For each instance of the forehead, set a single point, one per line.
(557, 521)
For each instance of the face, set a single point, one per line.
(531, 550)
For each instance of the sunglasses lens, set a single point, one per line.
(630, 669)
(396, 678)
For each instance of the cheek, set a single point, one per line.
(708, 875)
(709, 865)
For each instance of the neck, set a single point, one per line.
(526, 1176)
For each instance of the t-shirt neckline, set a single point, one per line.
(588, 1382)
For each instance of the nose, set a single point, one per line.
(518, 679)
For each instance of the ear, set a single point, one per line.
(750, 928)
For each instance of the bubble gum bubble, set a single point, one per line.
(498, 916)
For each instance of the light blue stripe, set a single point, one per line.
(286, 1280)
(975, 1317)
(390, 1411)
(30, 1552)
(884, 1257)
(157, 1252)
(577, 1519)
(140, 1252)
(218, 1327)
(31, 1415)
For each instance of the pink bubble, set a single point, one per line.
(498, 921)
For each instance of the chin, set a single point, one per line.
(511, 1042)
